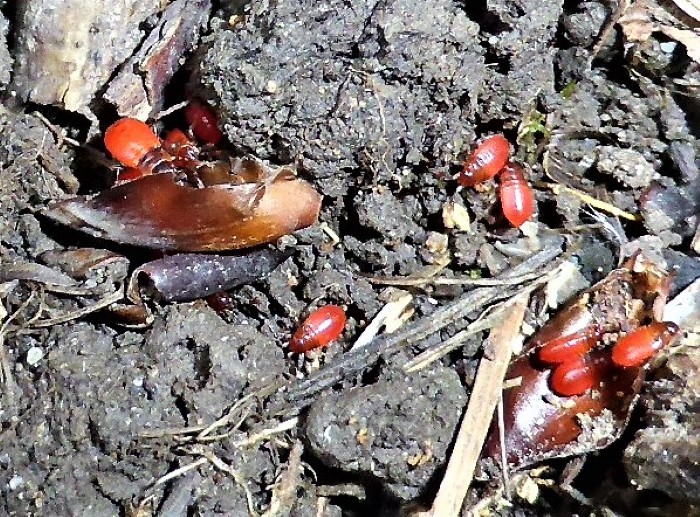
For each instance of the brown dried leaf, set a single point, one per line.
(644, 17)
(155, 212)
(540, 425)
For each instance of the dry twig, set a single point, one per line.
(235, 475)
(609, 28)
(285, 426)
(284, 491)
(6, 376)
(172, 109)
(57, 131)
(105, 301)
(457, 280)
(179, 472)
(483, 322)
(477, 418)
(171, 431)
(594, 202)
(234, 410)
(180, 496)
(490, 317)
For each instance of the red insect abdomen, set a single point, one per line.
(573, 378)
(129, 140)
(640, 345)
(517, 199)
(204, 122)
(486, 161)
(322, 327)
(569, 347)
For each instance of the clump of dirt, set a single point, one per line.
(35, 171)
(397, 430)
(332, 90)
(348, 106)
(209, 362)
(666, 455)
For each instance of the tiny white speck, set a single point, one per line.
(668, 47)
(16, 482)
(327, 434)
(34, 355)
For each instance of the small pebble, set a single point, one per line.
(15, 482)
(34, 355)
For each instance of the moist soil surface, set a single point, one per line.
(377, 103)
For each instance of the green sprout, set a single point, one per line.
(475, 274)
(569, 90)
(532, 129)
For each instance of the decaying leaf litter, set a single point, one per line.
(376, 105)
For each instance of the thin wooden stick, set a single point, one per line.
(105, 301)
(285, 490)
(490, 317)
(504, 452)
(477, 418)
(179, 472)
(594, 202)
(443, 280)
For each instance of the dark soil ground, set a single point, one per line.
(377, 102)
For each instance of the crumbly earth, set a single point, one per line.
(5, 56)
(665, 456)
(386, 430)
(377, 102)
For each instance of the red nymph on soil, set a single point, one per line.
(517, 199)
(491, 158)
(136, 146)
(321, 328)
(487, 160)
(130, 141)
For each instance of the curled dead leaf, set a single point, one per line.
(156, 212)
(644, 17)
(185, 276)
(538, 424)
